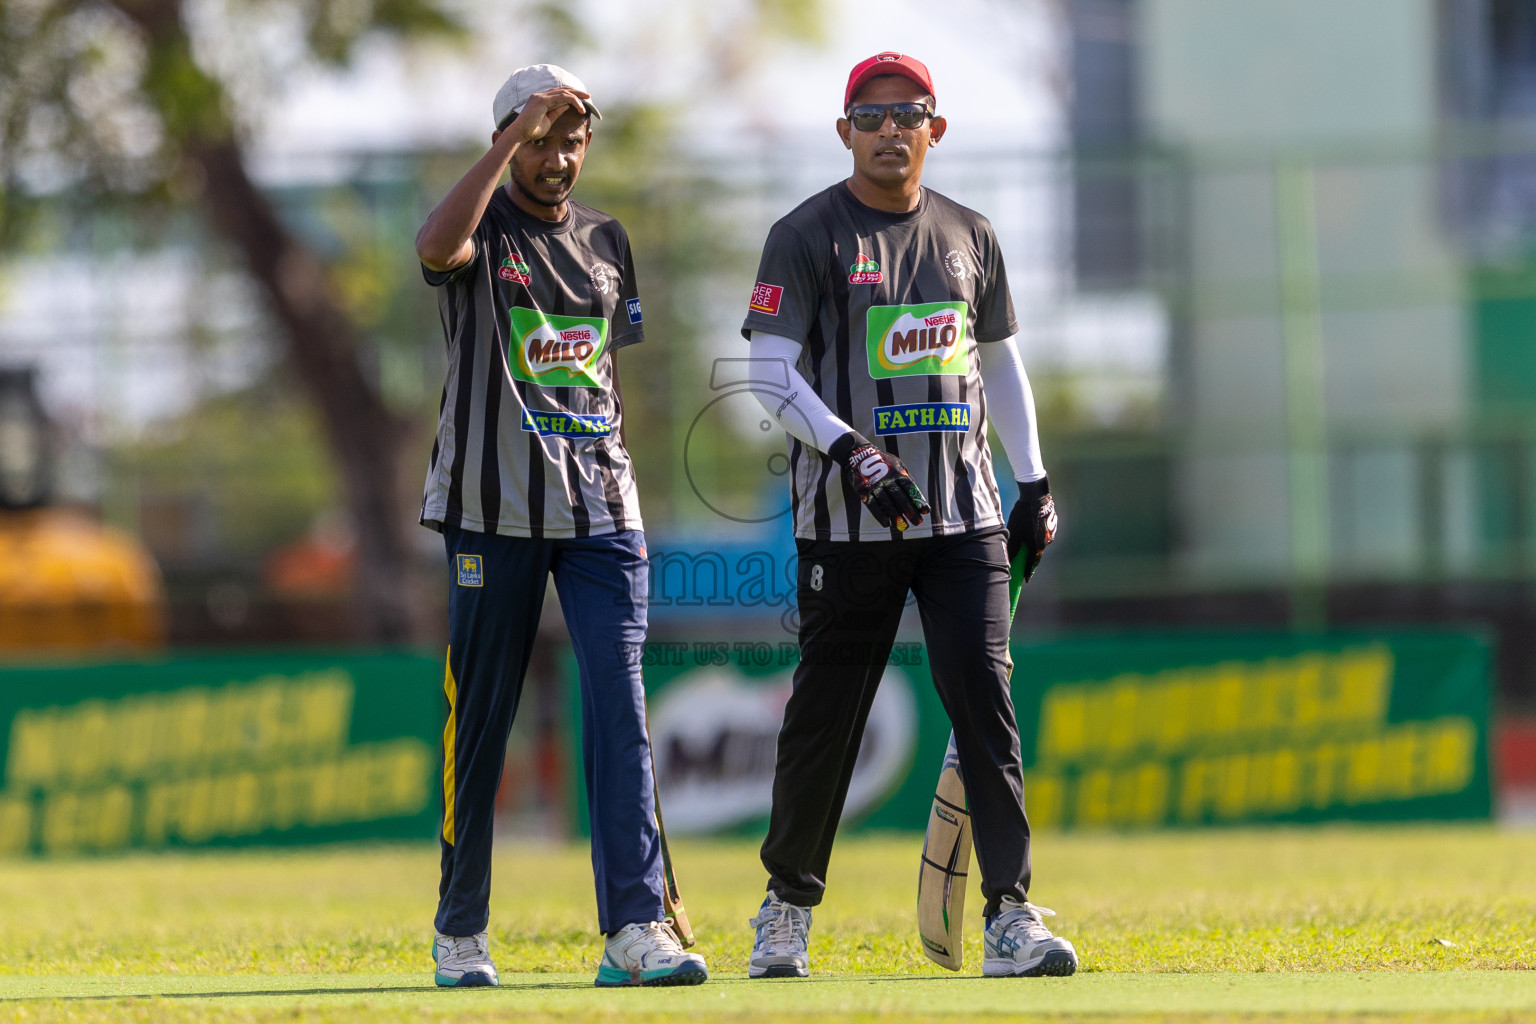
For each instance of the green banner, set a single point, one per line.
(218, 751)
(1227, 730)
(1117, 732)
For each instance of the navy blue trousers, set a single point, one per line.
(496, 594)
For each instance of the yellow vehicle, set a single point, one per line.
(68, 585)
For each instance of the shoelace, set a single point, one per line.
(781, 925)
(464, 949)
(1025, 915)
(661, 940)
(662, 937)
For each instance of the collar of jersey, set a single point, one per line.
(895, 218)
(528, 222)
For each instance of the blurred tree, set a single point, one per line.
(153, 100)
(125, 96)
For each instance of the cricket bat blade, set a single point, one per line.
(946, 861)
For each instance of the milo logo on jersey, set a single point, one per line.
(556, 351)
(909, 341)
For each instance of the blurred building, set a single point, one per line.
(1332, 202)
(1276, 298)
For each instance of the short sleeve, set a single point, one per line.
(995, 318)
(438, 278)
(628, 321)
(787, 296)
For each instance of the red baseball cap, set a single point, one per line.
(887, 63)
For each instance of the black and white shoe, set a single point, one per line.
(463, 961)
(1019, 945)
(778, 951)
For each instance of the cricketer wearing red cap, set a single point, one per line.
(884, 304)
(887, 64)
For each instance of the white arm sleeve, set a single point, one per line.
(1011, 406)
(799, 410)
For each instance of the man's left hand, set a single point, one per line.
(1031, 524)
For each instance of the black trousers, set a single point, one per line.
(851, 596)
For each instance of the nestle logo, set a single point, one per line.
(939, 319)
(578, 334)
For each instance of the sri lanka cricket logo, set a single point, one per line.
(864, 271)
(514, 269)
(556, 351)
(905, 341)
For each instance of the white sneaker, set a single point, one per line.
(1018, 944)
(463, 961)
(778, 951)
(649, 954)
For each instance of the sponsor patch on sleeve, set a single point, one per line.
(471, 571)
(923, 418)
(765, 298)
(633, 305)
(565, 424)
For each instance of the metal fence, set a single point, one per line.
(1286, 370)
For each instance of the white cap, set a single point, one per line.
(519, 89)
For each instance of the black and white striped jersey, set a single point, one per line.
(889, 308)
(528, 441)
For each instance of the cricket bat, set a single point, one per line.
(941, 878)
(671, 899)
(676, 918)
(946, 860)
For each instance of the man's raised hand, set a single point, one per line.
(881, 481)
(542, 110)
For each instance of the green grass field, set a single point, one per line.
(1296, 924)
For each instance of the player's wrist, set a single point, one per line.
(1034, 490)
(844, 447)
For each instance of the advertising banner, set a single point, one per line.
(1230, 730)
(1116, 732)
(218, 751)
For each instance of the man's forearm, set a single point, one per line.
(442, 241)
(1011, 407)
(801, 413)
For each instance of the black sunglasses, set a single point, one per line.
(869, 117)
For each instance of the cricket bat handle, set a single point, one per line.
(671, 898)
(676, 918)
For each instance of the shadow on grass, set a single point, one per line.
(248, 993)
(507, 984)
(845, 979)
